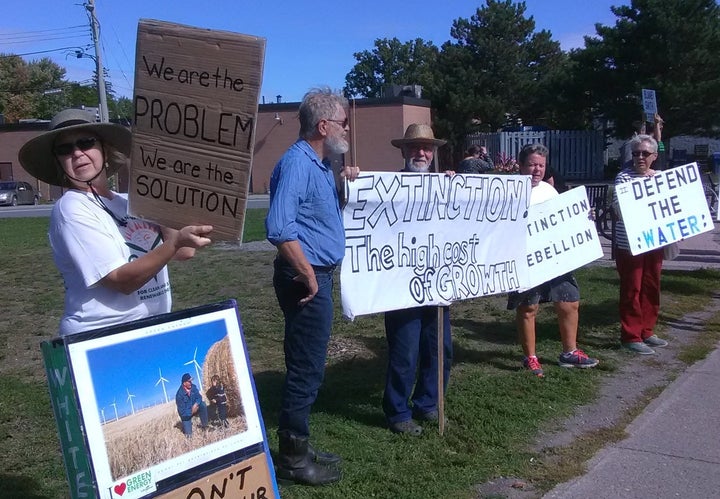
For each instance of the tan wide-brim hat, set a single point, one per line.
(418, 133)
(37, 156)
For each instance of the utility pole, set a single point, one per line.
(90, 6)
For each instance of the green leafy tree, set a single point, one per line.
(391, 62)
(670, 46)
(121, 109)
(29, 89)
(498, 71)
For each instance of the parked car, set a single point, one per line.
(14, 193)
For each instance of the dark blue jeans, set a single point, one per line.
(307, 332)
(412, 362)
(202, 413)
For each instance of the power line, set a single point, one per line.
(13, 33)
(5, 56)
(49, 39)
(42, 36)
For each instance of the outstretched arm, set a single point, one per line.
(133, 275)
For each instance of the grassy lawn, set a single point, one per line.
(496, 410)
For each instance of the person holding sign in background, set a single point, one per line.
(114, 266)
(563, 291)
(304, 222)
(412, 333)
(640, 274)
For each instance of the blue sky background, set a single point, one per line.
(308, 43)
(134, 366)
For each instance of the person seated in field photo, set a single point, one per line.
(189, 403)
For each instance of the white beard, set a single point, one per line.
(412, 167)
(337, 145)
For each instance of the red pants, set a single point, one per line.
(639, 293)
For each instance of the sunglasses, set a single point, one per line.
(67, 148)
(644, 154)
(343, 123)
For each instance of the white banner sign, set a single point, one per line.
(560, 236)
(664, 208)
(649, 104)
(416, 239)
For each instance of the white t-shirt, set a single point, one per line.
(87, 245)
(542, 192)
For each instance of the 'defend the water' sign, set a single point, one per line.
(664, 208)
(196, 101)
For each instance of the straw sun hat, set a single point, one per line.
(38, 159)
(418, 132)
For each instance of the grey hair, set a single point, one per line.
(529, 149)
(639, 139)
(318, 104)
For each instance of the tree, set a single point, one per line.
(121, 109)
(391, 62)
(28, 89)
(498, 71)
(670, 46)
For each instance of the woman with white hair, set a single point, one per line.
(639, 274)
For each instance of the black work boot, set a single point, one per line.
(296, 464)
(324, 458)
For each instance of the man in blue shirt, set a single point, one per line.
(189, 403)
(304, 222)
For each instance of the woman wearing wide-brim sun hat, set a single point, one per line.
(114, 266)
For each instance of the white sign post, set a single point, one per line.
(561, 237)
(664, 208)
(649, 104)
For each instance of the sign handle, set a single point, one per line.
(441, 370)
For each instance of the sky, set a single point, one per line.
(308, 43)
(143, 362)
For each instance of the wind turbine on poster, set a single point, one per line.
(197, 369)
(129, 400)
(163, 381)
(115, 407)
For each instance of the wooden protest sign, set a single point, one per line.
(664, 208)
(196, 101)
(248, 479)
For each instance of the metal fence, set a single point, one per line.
(576, 154)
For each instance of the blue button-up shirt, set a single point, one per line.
(304, 206)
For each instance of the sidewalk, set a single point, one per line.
(673, 447)
(697, 252)
(672, 450)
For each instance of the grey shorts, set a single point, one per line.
(561, 288)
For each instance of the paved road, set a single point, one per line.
(43, 210)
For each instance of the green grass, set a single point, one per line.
(496, 410)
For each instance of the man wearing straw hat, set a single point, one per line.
(412, 333)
